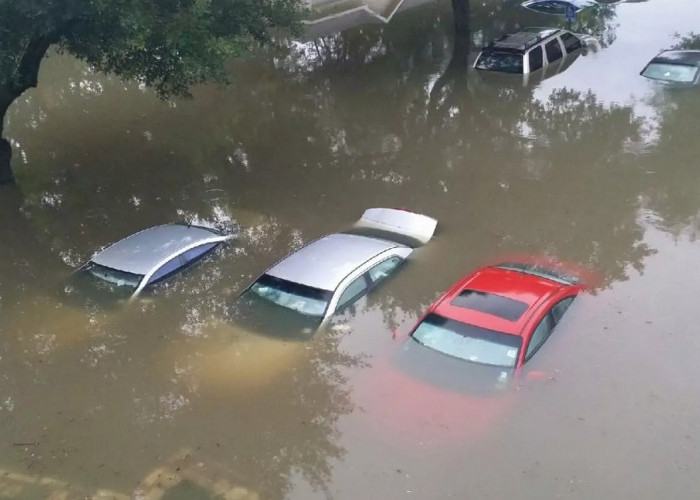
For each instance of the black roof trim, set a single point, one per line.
(523, 40)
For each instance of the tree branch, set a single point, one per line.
(28, 70)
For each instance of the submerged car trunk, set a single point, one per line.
(396, 224)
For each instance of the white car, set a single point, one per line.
(533, 49)
(301, 292)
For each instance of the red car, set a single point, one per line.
(462, 356)
(498, 315)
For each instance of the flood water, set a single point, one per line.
(592, 165)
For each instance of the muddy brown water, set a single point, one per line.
(593, 165)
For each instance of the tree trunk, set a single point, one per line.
(460, 8)
(6, 176)
(26, 76)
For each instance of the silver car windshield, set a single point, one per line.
(676, 73)
(301, 298)
(468, 342)
(113, 276)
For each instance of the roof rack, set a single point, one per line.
(524, 39)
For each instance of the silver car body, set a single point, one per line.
(326, 262)
(336, 261)
(145, 252)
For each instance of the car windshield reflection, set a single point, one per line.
(256, 313)
(300, 298)
(99, 284)
(502, 61)
(674, 73)
(468, 342)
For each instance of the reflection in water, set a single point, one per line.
(576, 167)
(229, 359)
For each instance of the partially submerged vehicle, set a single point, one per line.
(531, 50)
(678, 68)
(141, 261)
(458, 369)
(301, 292)
(497, 316)
(558, 7)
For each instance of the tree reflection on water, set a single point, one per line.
(296, 148)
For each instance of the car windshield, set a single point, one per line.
(676, 73)
(113, 276)
(468, 342)
(503, 61)
(301, 298)
(94, 283)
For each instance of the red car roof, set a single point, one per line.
(528, 290)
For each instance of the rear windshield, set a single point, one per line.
(468, 342)
(676, 73)
(301, 298)
(490, 303)
(500, 60)
(542, 272)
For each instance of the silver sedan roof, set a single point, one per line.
(325, 262)
(141, 252)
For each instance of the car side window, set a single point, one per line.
(561, 307)
(541, 333)
(166, 269)
(352, 292)
(553, 50)
(195, 253)
(535, 58)
(384, 269)
(571, 42)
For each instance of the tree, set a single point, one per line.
(168, 45)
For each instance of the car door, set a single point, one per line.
(571, 42)
(545, 326)
(383, 270)
(164, 271)
(177, 263)
(554, 50)
(352, 293)
(535, 59)
(369, 279)
(539, 335)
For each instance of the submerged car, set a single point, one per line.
(301, 292)
(557, 7)
(498, 316)
(674, 67)
(140, 261)
(532, 49)
(458, 370)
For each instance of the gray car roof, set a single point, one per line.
(141, 252)
(324, 263)
(691, 57)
